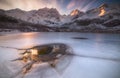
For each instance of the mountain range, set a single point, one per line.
(105, 18)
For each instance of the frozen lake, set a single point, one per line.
(94, 45)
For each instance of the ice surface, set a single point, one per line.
(98, 45)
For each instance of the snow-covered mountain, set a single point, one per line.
(43, 16)
(103, 18)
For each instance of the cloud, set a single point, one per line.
(75, 4)
(71, 5)
(29, 4)
(88, 6)
(82, 5)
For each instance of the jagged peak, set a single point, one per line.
(47, 9)
(16, 10)
(75, 12)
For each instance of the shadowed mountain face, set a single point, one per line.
(8, 23)
(44, 16)
(105, 18)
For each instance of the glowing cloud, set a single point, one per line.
(71, 5)
(87, 6)
(82, 5)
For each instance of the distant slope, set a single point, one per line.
(8, 23)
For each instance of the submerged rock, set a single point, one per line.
(55, 54)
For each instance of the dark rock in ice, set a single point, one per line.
(83, 38)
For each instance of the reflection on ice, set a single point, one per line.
(48, 53)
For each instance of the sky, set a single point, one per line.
(63, 6)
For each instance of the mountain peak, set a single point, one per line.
(48, 11)
(103, 6)
(102, 9)
(75, 12)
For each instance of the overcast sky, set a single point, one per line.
(63, 6)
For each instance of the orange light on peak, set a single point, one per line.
(74, 12)
(102, 12)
